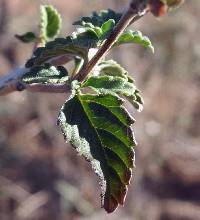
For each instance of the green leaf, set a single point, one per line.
(99, 128)
(46, 74)
(27, 37)
(106, 28)
(110, 77)
(102, 24)
(135, 37)
(101, 32)
(99, 19)
(136, 100)
(111, 68)
(117, 86)
(106, 84)
(76, 45)
(50, 22)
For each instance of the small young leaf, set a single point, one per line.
(46, 74)
(110, 77)
(50, 22)
(135, 37)
(111, 68)
(101, 32)
(27, 37)
(110, 84)
(107, 27)
(117, 86)
(98, 127)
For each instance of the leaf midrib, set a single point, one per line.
(104, 153)
(124, 123)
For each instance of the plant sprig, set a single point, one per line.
(94, 119)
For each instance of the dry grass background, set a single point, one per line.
(43, 179)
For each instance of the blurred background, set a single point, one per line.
(41, 178)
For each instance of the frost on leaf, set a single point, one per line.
(99, 128)
(135, 37)
(113, 79)
(46, 74)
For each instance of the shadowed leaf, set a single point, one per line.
(28, 37)
(78, 44)
(98, 126)
(99, 19)
(45, 74)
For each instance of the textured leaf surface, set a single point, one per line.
(101, 32)
(45, 74)
(111, 68)
(98, 126)
(50, 23)
(78, 44)
(90, 35)
(98, 19)
(114, 79)
(71, 46)
(117, 86)
(27, 37)
(135, 37)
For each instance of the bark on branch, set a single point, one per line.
(12, 82)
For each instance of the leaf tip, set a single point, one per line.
(28, 37)
(152, 49)
(110, 205)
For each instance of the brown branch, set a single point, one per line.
(12, 82)
(8, 83)
(135, 10)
